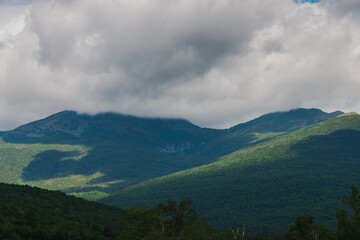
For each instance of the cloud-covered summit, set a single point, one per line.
(215, 63)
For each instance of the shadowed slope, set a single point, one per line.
(267, 185)
(111, 151)
(33, 213)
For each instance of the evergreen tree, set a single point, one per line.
(349, 226)
(306, 229)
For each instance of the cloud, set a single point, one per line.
(216, 63)
(13, 2)
(349, 6)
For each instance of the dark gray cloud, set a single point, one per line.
(348, 6)
(13, 2)
(216, 63)
(153, 42)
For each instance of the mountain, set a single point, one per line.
(93, 156)
(285, 121)
(33, 213)
(267, 126)
(267, 185)
(112, 149)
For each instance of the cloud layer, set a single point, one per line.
(216, 63)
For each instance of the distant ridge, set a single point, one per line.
(288, 120)
(70, 124)
(93, 156)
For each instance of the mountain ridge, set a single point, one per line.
(93, 156)
(298, 173)
(72, 115)
(313, 115)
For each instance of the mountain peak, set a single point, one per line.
(287, 174)
(286, 121)
(71, 126)
(348, 114)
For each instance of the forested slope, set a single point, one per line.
(268, 185)
(33, 213)
(94, 156)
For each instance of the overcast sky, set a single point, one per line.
(214, 62)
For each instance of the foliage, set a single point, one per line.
(33, 213)
(169, 221)
(15, 158)
(141, 223)
(303, 172)
(82, 154)
(95, 156)
(349, 226)
(306, 229)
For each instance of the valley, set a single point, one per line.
(278, 166)
(303, 172)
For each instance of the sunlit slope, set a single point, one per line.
(14, 158)
(264, 127)
(268, 185)
(96, 155)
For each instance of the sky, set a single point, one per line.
(305, 1)
(214, 62)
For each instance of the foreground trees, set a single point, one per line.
(32, 213)
(349, 224)
(306, 229)
(167, 221)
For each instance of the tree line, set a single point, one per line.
(33, 213)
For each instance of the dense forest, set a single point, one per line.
(95, 156)
(33, 213)
(288, 184)
(300, 173)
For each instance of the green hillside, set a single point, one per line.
(14, 158)
(94, 156)
(28, 213)
(268, 185)
(33, 213)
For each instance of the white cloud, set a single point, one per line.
(216, 63)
